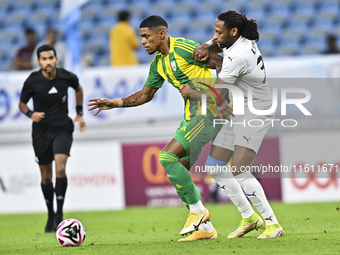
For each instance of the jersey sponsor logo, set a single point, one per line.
(173, 65)
(231, 59)
(53, 90)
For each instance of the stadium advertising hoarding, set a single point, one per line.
(146, 181)
(94, 170)
(314, 162)
(97, 83)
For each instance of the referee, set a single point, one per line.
(52, 128)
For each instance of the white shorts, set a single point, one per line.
(246, 130)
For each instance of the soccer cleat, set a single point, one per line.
(50, 225)
(272, 231)
(194, 220)
(58, 219)
(253, 222)
(200, 234)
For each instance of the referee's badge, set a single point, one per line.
(173, 65)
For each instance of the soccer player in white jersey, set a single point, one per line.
(242, 67)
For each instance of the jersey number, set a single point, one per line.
(261, 64)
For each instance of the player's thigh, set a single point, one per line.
(223, 144)
(63, 139)
(42, 141)
(175, 147)
(202, 131)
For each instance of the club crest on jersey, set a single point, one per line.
(173, 65)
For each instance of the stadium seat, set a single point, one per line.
(95, 46)
(281, 4)
(86, 28)
(48, 3)
(11, 34)
(90, 14)
(17, 18)
(267, 48)
(336, 32)
(295, 32)
(162, 9)
(144, 57)
(185, 8)
(139, 9)
(40, 28)
(43, 15)
(203, 22)
(109, 14)
(288, 48)
(205, 7)
(270, 33)
(23, 4)
(101, 30)
(313, 47)
(5, 4)
(302, 16)
(104, 61)
(300, 4)
(256, 5)
(327, 14)
(278, 17)
(181, 24)
(258, 15)
(198, 36)
(5, 50)
(235, 5)
(320, 30)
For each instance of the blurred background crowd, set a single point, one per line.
(110, 27)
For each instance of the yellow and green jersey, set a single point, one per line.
(178, 68)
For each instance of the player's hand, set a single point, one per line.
(100, 104)
(81, 123)
(37, 116)
(201, 53)
(185, 91)
(224, 110)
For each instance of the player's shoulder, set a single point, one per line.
(184, 44)
(63, 73)
(33, 77)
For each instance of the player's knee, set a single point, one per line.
(167, 160)
(60, 172)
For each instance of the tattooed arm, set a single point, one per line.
(214, 62)
(201, 53)
(138, 98)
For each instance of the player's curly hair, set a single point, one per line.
(246, 27)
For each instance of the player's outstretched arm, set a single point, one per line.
(201, 53)
(79, 118)
(140, 97)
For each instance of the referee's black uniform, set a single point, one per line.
(53, 134)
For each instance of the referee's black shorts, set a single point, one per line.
(52, 138)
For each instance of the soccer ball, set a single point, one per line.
(70, 232)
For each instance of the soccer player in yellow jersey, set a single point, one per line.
(174, 63)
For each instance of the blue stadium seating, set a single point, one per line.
(285, 26)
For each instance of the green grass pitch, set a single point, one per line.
(309, 229)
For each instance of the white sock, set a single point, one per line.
(197, 208)
(232, 189)
(207, 227)
(255, 193)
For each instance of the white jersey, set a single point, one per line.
(243, 66)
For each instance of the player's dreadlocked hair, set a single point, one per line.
(246, 27)
(153, 21)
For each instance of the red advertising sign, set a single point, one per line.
(146, 181)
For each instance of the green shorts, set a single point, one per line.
(194, 134)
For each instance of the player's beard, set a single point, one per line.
(225, 44)
(49, 71)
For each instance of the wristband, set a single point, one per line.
(29, 113)
(79, 110)
(119, 102)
